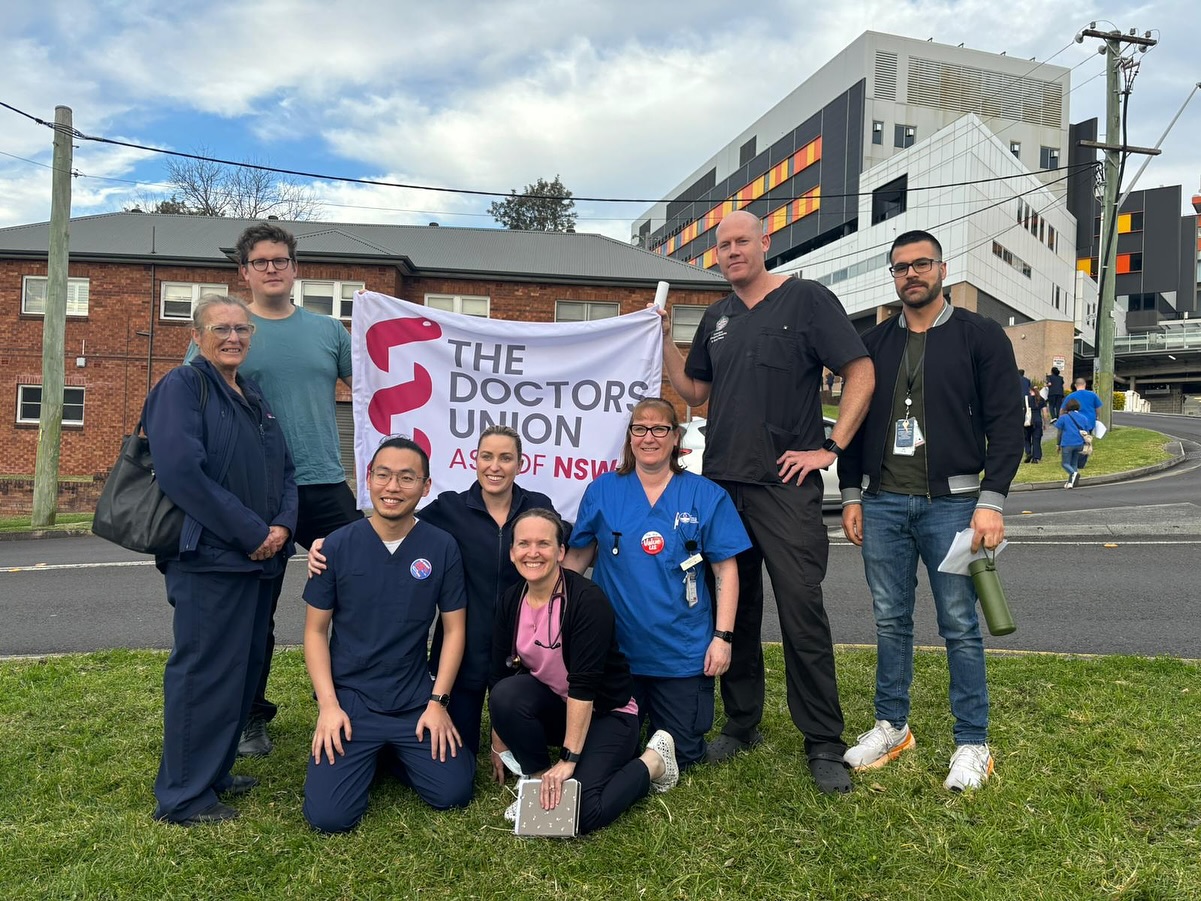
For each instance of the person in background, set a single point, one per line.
(221, 457)
(480, 520)
(558, 678)
(656, 527)
(1054, 393)
(1090, 403)
(386, 580)
(1071, 425)
(1034, 426)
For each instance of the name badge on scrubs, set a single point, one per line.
(690, 588)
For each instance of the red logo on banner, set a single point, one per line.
(410, 395)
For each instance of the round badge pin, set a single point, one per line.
(421, 569)
(652, 543)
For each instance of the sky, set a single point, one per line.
(621, 99)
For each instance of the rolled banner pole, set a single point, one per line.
(661, 295)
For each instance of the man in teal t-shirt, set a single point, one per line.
(296, 358)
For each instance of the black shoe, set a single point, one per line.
(215, 813)
(725, 746)
(254, 741)
(1027, 460)
(831, 776)
(240, 786)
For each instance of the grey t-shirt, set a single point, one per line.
(297, 363)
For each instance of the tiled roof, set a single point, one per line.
(424, 250)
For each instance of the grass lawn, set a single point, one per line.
(1096, 796)
(62, 522)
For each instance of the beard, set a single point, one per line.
(923, 300)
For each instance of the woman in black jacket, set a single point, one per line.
(558, 678)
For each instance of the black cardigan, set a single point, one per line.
(597, 671)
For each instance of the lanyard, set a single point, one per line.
(912, 374)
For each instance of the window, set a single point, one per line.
(460, 303)
(746, 152)
(903, 135)
(327, 298)
(1051, 238)
(29, 405)
(890, 200)
(1048, 158)
(877, 132)
(1129, 262)
(1015, 147)
(1130, 222)
(33, 296)
(179, 298)
(584, 310)
(684, 322)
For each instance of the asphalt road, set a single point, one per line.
(1103, 569)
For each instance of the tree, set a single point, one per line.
(201, 187)
(543, 206)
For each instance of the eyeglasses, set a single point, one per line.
(659, 431)
(405, 479)
(918, 266)
(261, 265)
(224, 331)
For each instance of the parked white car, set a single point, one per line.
(693, 446)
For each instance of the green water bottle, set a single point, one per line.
(991, 595)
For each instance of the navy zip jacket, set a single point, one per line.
(231, 489)
(597, 671)
(484, 547)
(974, 411)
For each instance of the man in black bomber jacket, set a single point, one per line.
(935, 456)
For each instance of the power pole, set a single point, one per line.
(54, 326)
(1114, 64)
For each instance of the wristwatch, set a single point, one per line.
(830, 445)
(727, 637)
(568, 756)
(444, 700)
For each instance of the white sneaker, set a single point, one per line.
(665, 746)
(971, 765)
(881, 744)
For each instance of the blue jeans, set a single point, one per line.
(897, 530)
(1070, 459)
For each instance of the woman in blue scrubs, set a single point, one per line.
(649, 529)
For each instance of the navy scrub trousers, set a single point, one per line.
(336, 795)
(219, 634)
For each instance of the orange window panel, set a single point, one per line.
(1123, 263)
(1085, 265)
(1124, 224)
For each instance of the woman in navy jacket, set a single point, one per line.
(481, 521)
(220, 455)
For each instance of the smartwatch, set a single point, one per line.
(727, 637)
(568, 756)
(831, 446)
(444, 700)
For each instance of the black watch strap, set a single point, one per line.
(727, 637)
(568, 756)
(444, 700)
(832, 446)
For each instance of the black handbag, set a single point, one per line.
(133, 511)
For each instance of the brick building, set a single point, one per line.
(133, 278)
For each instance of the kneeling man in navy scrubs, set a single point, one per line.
(386, 578)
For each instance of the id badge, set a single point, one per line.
(690, 594)
(904, 442)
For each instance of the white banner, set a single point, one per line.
(442, 378)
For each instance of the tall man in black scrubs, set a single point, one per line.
(757, 357)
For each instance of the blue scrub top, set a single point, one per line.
(384, 604)
(656, 629)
